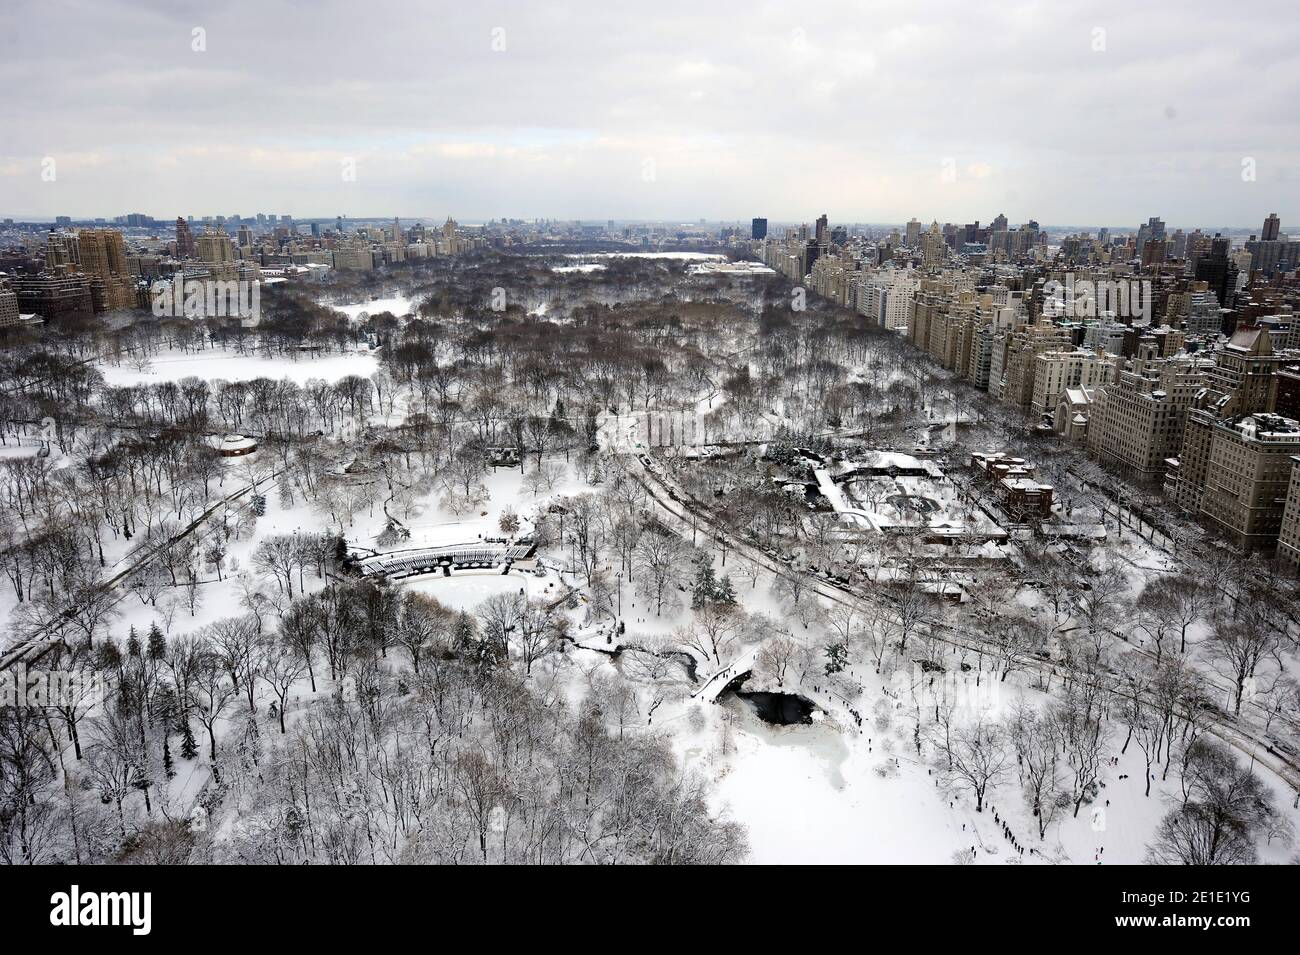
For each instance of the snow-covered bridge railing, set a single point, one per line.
(428, 560)
(743, 665)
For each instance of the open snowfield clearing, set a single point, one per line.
(684, 256)
(806, 796)
(231, 366)
(465, 590)
(399, 305)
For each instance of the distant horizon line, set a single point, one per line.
(601, 220)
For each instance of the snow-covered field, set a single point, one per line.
(808, 794)
(213, 364)
(399, 305)
(465, 590)
(595, 261)
(682, 256)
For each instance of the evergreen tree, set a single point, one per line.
(164, 713)
(189, 746)
(108, 656)
(463, 631)
(837, 657)
(725, 593)
(157, 642)
(706, 582)
(133, 645)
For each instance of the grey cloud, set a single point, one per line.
(745, 109)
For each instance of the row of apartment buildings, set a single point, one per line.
(1176, 404)
(85, 271)
(1203, 424)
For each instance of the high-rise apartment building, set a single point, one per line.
(1203, 316)
(1272, 228)
(1218, 270)
(1242, 380)
(9, 313)
(1015, 384)
(103, 259)
(185, 239)
(354, 254)
(1057, 371)
(54, 296)
(1272, 252)
(930, 301)
(62, 249)
(913, 234)
(933, 247)
(1250, 463)
(1288, 537)
(1136, 421)
(885, 297)
(214, 246)
(103, 252)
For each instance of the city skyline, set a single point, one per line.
(166, 223)
(495, 112)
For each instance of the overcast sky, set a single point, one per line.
(871, 112)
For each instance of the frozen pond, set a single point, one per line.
(806, 796)
(779, 709)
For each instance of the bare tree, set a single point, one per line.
(977, 757)
(1038, 753)
(211, 694)
(1181, 600)
(1237, 649)
(283, 665)
(1226, 809)
(777, 655)
(665, 557)
(713, 631)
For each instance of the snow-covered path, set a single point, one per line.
(831, 491)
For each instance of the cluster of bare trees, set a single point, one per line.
(432, 744)
(1225, 810)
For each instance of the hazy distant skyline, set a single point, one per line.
(676, 111)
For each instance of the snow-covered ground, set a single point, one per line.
(808, 794)
(228, 365)
(595, 261)
(465, 590)
(682, 256)
(399, 305)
